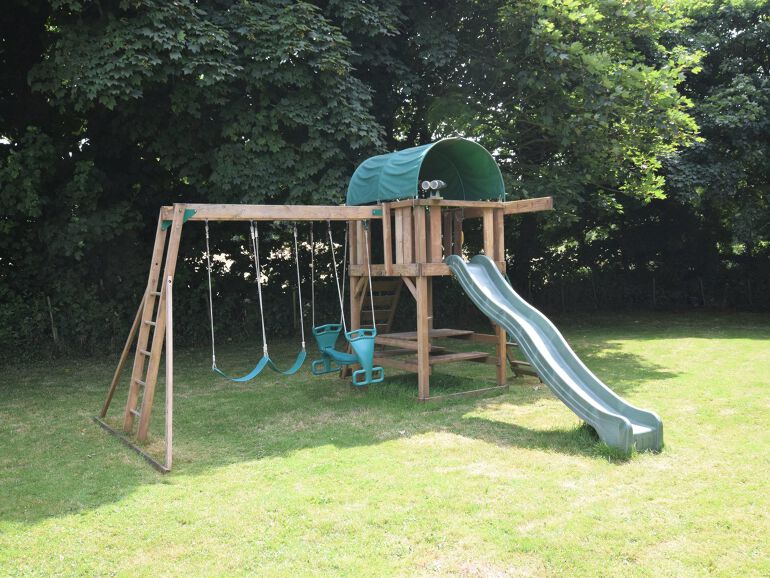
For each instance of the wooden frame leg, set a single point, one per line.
(423, 338)
(123, 357)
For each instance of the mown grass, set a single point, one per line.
(305, 476)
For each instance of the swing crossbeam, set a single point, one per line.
(209, 212)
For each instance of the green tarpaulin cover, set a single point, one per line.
(466, 167)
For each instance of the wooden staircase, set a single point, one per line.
(386, 294)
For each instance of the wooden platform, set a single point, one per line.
(432, 333)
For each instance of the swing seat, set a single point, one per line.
(362, 343)
(249, 376)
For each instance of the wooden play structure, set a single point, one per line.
(396, 240)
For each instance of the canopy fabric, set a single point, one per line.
(467, 168)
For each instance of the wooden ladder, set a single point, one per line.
(144, 375)
(386, 295)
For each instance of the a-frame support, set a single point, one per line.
(152, 326)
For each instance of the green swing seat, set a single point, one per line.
(361, 342)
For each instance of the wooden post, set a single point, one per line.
(420, 236)
(169, 437)
(160, 324)
(457, 232)
(423, 339)
(489, 234)
(499, 235)
(123, 356)
(404, 235)
(446, 227)
(436, 255)
(387, 239)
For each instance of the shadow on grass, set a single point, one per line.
(59, 462)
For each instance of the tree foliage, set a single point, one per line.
(110, 109)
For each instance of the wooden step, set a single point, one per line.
(478, 356)
(150, 323)
(145, 352)
(435, 333)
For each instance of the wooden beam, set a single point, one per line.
(420, 235)
(445, 203)
(499, 228)
(124, 356)
(215, 212)
(387, 238)
(411, 286)
(423, 338)
(436, 246)
(528, 205)
(489, 233)
(169, 421)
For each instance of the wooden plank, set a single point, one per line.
(457, 233)
(147, 457)
(396, 342)
(434, 333)
(396, 363)
(399, 219)
(387, 238)
(362, 255)
(221, 212)
(123, 356)
(378, 270)
(461, 356)
(489, 233)
(411, 286)
(420, 235)
(408, 240)
(446, 227)
(151, 295)
(353, 246)
(483, 337)
(445, 203)
(153, 366)
(423, 338)
(528, 205)
(169, 421)
(501, 351)
(499, 229)
(435, 252)
(386, 285)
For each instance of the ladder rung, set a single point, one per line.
(136, 413)
(145, 352)
(140, 382)
(147, 322)
(156, 293)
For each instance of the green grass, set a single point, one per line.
(305, 476)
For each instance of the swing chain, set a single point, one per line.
(299, 288)
(258, 270)
(211, 299)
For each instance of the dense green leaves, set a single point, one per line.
(110, 109)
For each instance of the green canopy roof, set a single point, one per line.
(466, 167)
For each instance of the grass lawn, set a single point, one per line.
(305, 476)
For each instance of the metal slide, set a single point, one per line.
(619, 424)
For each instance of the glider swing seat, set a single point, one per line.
(361, 341)
(265, 360)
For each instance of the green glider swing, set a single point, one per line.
(361, 340)
(265, 361)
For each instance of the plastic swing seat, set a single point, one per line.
(249, 376)
(362, 343)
